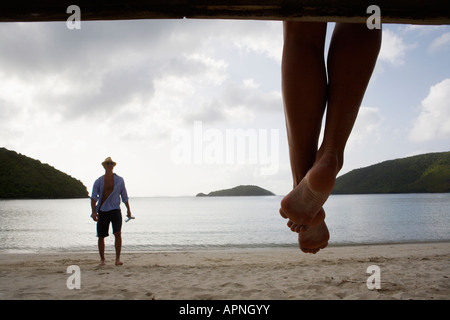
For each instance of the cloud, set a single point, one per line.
(433, 123)
(107, 67)
(367, 123)
(249, 95)
(263, 38)
(440, 43)
(421, 29)
(236, 103)
(91, 72)
(393, 48)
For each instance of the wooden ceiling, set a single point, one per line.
(431, 12)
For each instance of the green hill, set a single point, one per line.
(426, 173)
(22, 177)
(238, 191)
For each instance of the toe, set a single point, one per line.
(303, 228)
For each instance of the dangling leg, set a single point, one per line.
(304, 84)
(351, 59)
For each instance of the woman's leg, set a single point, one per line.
(351, 59)
(304, 85)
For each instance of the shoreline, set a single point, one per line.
(407, 271)
(110, 247)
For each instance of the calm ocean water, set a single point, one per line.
(189, 223)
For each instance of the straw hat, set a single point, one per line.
(108, 160)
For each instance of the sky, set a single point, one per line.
(189, 106)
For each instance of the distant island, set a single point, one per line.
(22, 177)
(238, 191)
(425, 173)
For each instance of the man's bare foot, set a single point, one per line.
(303, 205)
(102, 263)
(314, 238)
(118, 262)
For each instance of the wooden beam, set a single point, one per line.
(392, 11)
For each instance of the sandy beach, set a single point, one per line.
(407, 271)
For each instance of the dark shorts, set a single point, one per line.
(104, 218)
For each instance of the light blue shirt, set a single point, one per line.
(113, 201)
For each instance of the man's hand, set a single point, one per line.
(94, 215)
(128, 213)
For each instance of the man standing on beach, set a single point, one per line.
(105, 204)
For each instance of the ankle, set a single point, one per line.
(330, 158)
(324, 172)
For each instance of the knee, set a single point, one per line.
(117, 234)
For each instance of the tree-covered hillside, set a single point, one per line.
(238, 191)
(22, 177)
(426, 173)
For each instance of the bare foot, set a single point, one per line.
(319, 218)
(102, 263)
(314, 238)
(303, 205)
(118, 262)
